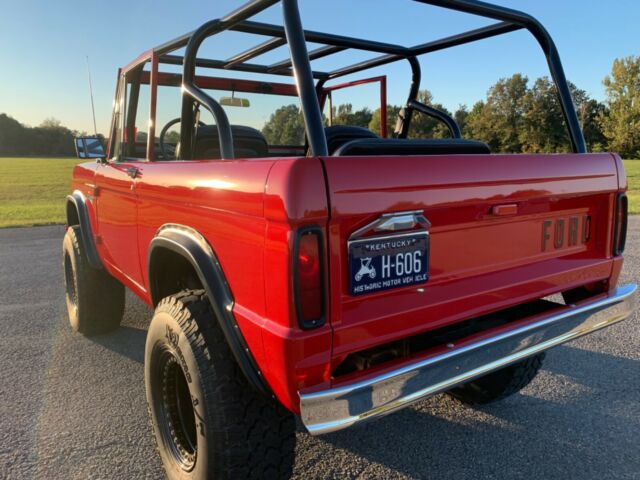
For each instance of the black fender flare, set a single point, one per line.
(192, 246)
(78, 201)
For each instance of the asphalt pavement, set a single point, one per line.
(74, 408)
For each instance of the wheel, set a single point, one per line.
(95, 300)
(499, 384)
(372, 274)
(208, 422)
(358, 277)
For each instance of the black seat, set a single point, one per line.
(398, 146)
(247, 143)
(338, 135)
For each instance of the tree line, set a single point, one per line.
(516, 116)
(48, 139)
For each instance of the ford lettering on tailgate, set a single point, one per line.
(392, 261)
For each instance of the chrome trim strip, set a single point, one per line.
(393, 222)
(341, 407)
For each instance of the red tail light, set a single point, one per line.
(309, 278)
(620, 232)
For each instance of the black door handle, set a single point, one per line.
(132, 171)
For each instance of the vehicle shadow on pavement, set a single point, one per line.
(564, 419)
(126, 341)
(129, 339)
(597, 370)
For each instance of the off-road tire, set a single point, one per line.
(95, 300)
(208, 422)
(499, 384)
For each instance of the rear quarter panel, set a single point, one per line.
(223, 201)
(248, 210)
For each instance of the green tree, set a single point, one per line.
(543, 128)
(285, 126)
(13, 136)
(589, 113)
(51, 123)
(52, 138)
(498, 120)
(622, 124)
(343, 114)
(480, 126)
(460, 116)
(424, 126)
(172, 136)
(392, 116)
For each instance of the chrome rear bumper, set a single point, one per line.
(341, 407)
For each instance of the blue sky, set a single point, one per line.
(43, 45)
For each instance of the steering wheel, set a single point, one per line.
(163, 132)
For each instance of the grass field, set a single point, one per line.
(632, 167)
(33, 190)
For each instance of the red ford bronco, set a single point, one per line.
(340, 279)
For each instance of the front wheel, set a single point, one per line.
(207, 420)
(95, 300)
(499, 384)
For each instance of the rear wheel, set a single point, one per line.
(95, 300)
(208, 421)
(499, 384)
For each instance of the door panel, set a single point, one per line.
(117, 218)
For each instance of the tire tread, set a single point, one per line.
(499, 384)
(257, 434)
(101, 297)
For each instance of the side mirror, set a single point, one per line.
(89, 147)
(235, 102)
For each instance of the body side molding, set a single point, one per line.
(192, 246)
(78, 201)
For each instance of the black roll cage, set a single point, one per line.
(310, 82)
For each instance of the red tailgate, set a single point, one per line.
(504, 229)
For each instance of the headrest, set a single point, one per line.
(338, 135)
(247, 142)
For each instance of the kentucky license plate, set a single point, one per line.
(393, 261)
